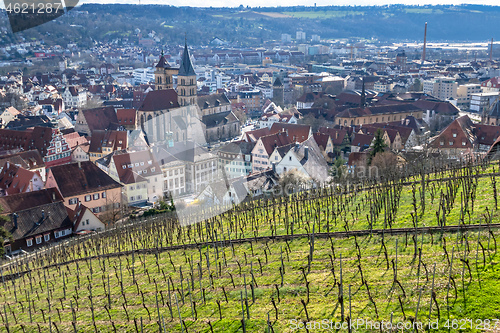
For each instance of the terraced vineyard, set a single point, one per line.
(409, 251)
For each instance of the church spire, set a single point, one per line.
(186, 68)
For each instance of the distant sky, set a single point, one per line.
(273, 3)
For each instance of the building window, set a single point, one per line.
(38, 239)
(73, 201)
(103, 195)
(46, 237)
(96, 196)
(132, 198)
(451, 142)
(454, 135)
(29, 242)
(88, 197)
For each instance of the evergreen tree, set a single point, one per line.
(379, 144)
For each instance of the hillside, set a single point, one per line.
(254, 26)
(409, 248)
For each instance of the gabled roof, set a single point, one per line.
(157, 100)
(439, 107)
(337, 134)
(217, 119)
(213, 100)
(459, 134)
(186, 68)
(22, 201)
(237, 147)
(101, 118)
(321, 139)
(80, 178)
(39, 220)
(253, 136)
(134, 166)
(15, 179)
(116, 140)
(362, 140)
(296, 132)
(74, 139)
(376, 110)
(30, 159)
(126, 116)
(272, 141)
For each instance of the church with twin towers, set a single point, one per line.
(179, 115)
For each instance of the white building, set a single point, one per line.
(444, 88)
(482, 102)
(301, 35)
(286, 38)
(464, 93)
(74, 97)
(144, 75)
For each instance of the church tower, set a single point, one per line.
(163, 74)
(186, 80)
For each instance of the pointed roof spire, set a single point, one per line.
(162, 63)
(186, 68)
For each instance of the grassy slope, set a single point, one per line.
(224, 269)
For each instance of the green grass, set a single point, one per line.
(323, 297)
(259, 264)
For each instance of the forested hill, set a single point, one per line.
(252, 26)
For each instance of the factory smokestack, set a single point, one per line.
(491, 50)
(425, 43)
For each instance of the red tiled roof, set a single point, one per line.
(275, 140)
(16, 202)
(14, 179)
(321, 139)
(117, 140)
(80, 178)
(254, 135)
(361, 140)
(101, 118)
(295, 132)
(74, 139)
(126, 116)
(133, 167)
(160, 100)
(337, 135)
